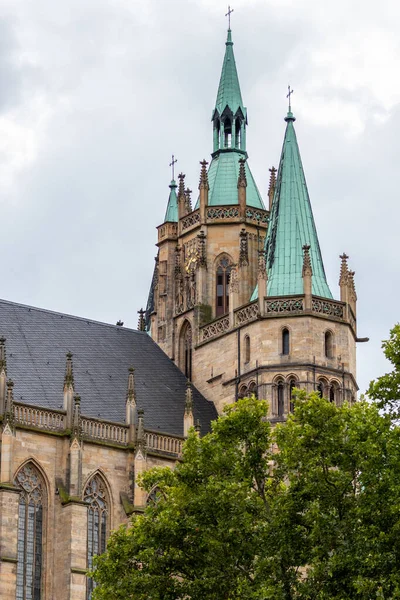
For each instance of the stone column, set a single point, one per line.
(307, 277)
(242, 185)
(188, 418)
(262, 280)
(203, 189)
(233, 295)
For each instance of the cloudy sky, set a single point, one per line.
(95, 96)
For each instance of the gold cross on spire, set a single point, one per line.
(228, 14)
(290, 92)
(172, 164)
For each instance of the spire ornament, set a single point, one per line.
(69, 372)
(228, 14)
(181, 186)
(3, 357)
(172, 165)
(244, 248)
(201, 250)
(141, 321)
(188, 200)
(9, 409)
(203, 175)
(76, 431)
(242, 180)
(344, 270)
(307, 268)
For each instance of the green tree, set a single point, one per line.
(385, 391)
(236, 520)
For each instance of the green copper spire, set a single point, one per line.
(229, 139)
(292, 226)
(171, 213)
(229, 94)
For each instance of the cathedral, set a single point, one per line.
(239, 304)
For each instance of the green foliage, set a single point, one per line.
(385, 391)
(236, 520)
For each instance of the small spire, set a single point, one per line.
(307, 268)
(272, 181)
(201, 250)
(140, 437)
(352, 287)
(197, 427)
(188, 200)
(3, 357)
(203, 175)
(243, 248)
(242, 181)
(262, 265)
(189, 398)
(10, 398)
(69, 372)
(130, 394)
(344, 270)
(181, 186)
(76, 422)
(141, 321)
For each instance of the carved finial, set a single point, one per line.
(262, 265)
(272, 181)
(201, 250)
(3, 357)
(352, 287)
(344, 270)
(203, 175)
(141, 321)
(140, 437)
(69, 372)
(234, 281)
(9, 408)
(188, 200)
(244, 248)
(189, 398)
(242, 181)
(198, 426)
(130, 394)
(119, 323)
(307, 268)
(181, 186)
(76, 422)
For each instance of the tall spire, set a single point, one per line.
(229, 94)
(229, 119)
(292, 226)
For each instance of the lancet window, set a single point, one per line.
(292, 385)
(247, 349)
(281, 398)
(186, 345)
(285, 341)
(95, 495)
(328, 344)
(223, 275)
(32, 501)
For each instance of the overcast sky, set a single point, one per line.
(95, 96)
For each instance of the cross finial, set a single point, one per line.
(290, 92)
(228, 14)
(172, 164)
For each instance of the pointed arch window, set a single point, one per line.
(320, 390)
(285, 341)
(31, 507)
(253, 389)
(328, 344)
(223, 275)
(247, 349)
(96, 497)
(292, 385)
(281, 399)
(185, 349)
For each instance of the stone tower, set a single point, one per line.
(242, 309)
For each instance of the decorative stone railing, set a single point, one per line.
(160, 442)
(247, 314)
(39, 418)
(191, 219)
(216, 213)
(207, 332)
(282, 305)
(329, 308)
(256, 215)
(103, 431)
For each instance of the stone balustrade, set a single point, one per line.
(190, 220)
(207, 332)
(246, 314)
(161, 442)
(39, 418)
(95, 430)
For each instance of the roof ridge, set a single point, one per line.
(68, 316)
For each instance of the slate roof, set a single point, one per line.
(38, 340)
(291, 226)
